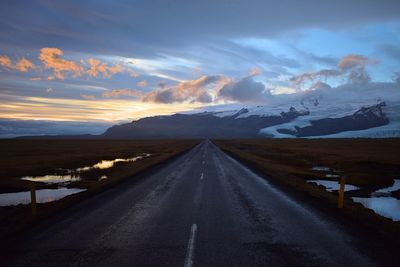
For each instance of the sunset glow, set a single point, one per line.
(115, 62)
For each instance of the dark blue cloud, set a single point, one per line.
(245, 90)
(146, 28)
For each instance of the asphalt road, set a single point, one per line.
(201, 209)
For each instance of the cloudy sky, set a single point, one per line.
(113, 61)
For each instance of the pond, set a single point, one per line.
(105, 164)
(388, 207)
(321, 169)
(42, 196)
(333, 185)
(329, 172)
(380, 201)
(392, 188)
(54, 178)
(65, 176)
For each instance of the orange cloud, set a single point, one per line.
(6, 62)
(353, 61)
(355, 65)
(189, 91)
(88, 97)
(142, 83)
(24, 65)
(35, 79)
(51, 59)
(122, 92)
(96, 67)
(115, 69)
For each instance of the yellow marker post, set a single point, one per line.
(33, 199)
(341, 193)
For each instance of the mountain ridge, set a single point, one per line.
(201, 125)
(245, 123)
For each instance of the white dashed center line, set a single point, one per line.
(191, 244)
(202, 176)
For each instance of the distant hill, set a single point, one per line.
(201, 125)
(247, 123)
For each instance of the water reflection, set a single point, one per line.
(332, 176)
(54, 179)
(65, 176)
(105, 164)
(332, 185)
(394, 187)
(321, 168)
(385, 206)
(380, 201)
(42, 196)
(330, 173)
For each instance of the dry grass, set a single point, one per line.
(367, 163)
(40, 157)
(364, 162)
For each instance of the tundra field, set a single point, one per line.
(368, 164)
(20, 158)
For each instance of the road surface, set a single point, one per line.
(201, 209)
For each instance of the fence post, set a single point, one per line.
(341, 193)
(33, 199)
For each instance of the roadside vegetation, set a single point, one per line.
(369, 164)
(21, 158)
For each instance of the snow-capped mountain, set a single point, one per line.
(313, 114)
(202, 125)
(372, 112)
